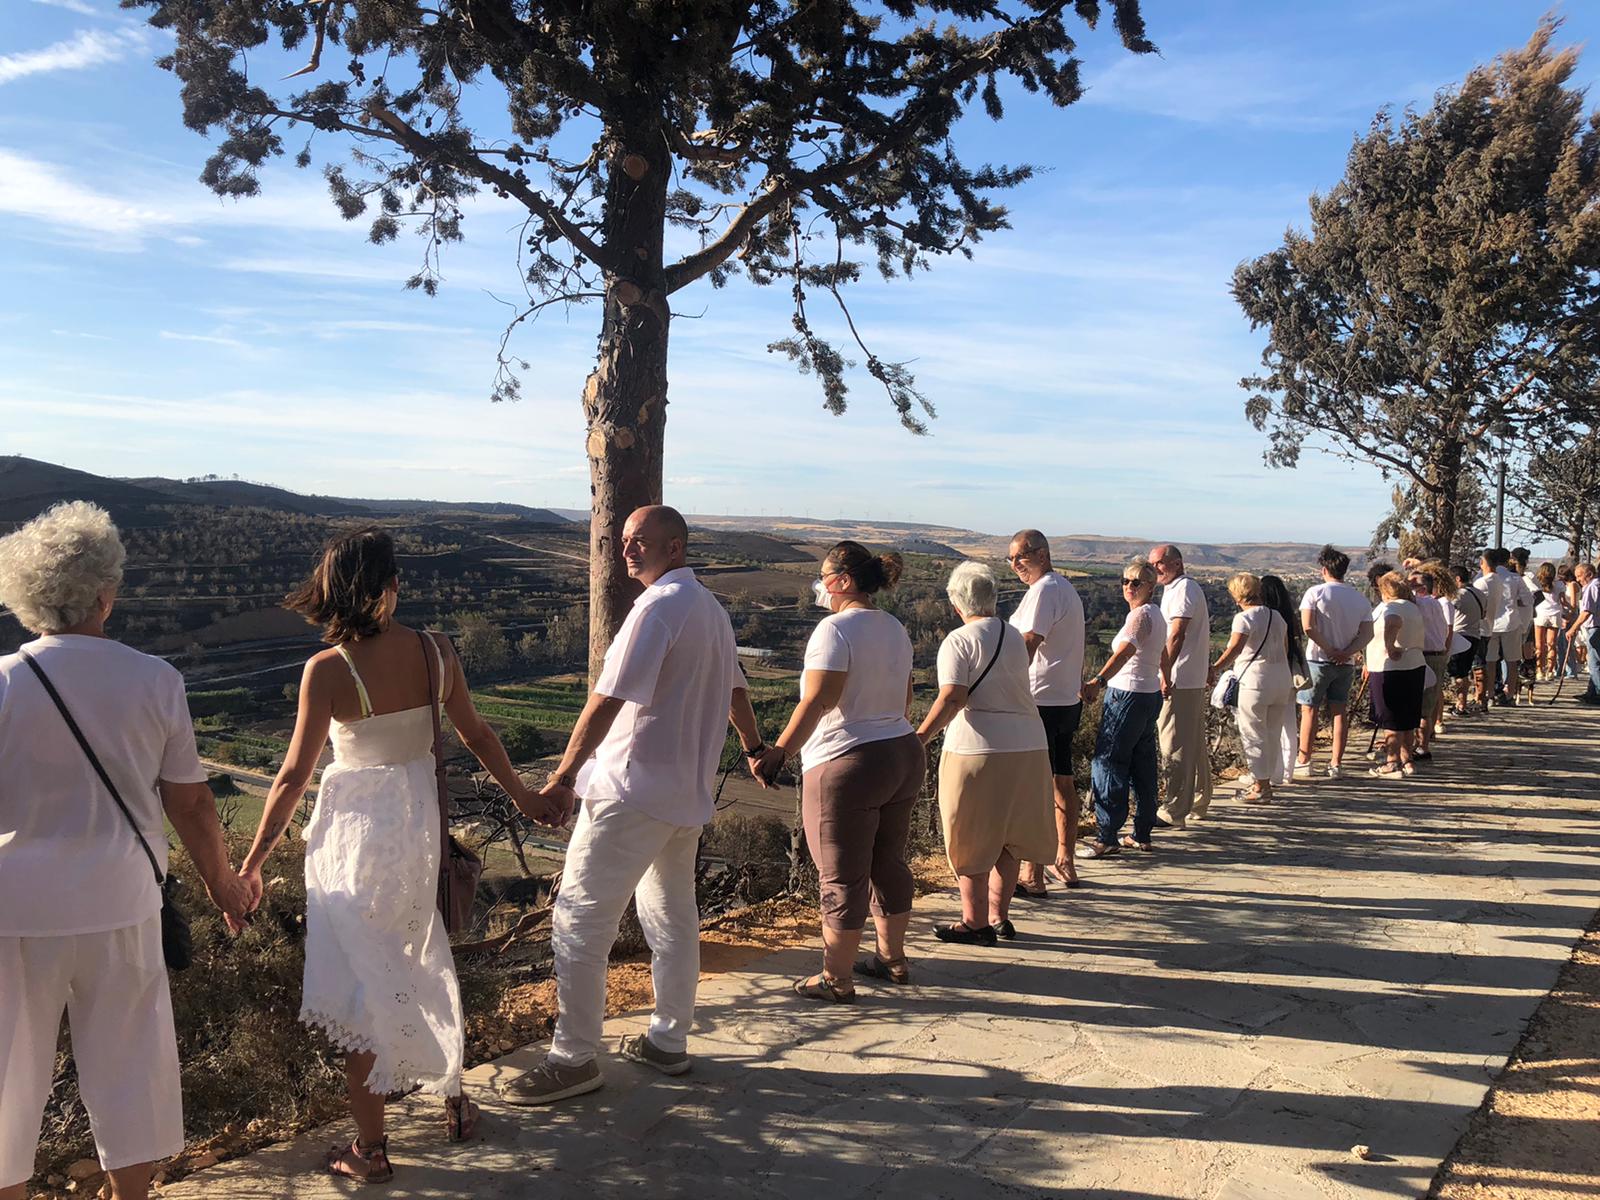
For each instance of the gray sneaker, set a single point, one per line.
(640, 1049)
(549, 1082)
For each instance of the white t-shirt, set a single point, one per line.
(1146, 628)
(1492, 591)
(1519, 599)
(675, 664)
(1001, 716)
(1183, 597)
(1340, 610)
(873, 648)
(1263, 662)
(1435, 624)
(1410, 639)
(1052, 609)
(69, 863)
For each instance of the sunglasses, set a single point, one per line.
(1133, 583)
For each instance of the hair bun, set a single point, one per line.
(893, 567)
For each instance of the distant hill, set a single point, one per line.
(238, 493)
(28, 487)
(538, 516)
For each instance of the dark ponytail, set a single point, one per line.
(868, 571)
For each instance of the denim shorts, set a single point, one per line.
(1330, 684)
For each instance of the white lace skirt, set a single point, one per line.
(379, 974)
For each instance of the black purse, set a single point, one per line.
(177, 940)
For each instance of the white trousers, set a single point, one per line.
(113, 986)
(1267, 734)
(617, 852)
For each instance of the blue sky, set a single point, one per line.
(1085, 366)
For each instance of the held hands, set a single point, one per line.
(236, 897)
(764, 767)
(553, 804)
(1091, 689)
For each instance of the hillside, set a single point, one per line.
(239, 493)
(28, 487)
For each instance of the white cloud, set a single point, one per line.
(88, 48)
(76, 6)
(210, 339)
(31, 188)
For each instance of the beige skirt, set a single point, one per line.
(991, 803)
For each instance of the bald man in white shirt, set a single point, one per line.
(649, 742)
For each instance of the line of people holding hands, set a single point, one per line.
(81, 909)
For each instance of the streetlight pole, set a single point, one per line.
(1500, 501)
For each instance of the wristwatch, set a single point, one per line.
(758, 748)
(564, 779)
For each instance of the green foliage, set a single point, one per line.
(523, 741)
(1446, 292)
(228, 700)
(480, 643)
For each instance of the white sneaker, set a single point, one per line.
(1302, 770)
(1335, 770)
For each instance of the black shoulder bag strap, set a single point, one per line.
(1257, 652)
(94, 761)
(984, 674)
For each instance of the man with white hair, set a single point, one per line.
(1050, 620)
(1182, 724)
(649, 742)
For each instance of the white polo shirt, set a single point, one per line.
(1184, 598)
(675, 664)
(69, 863)
(1052, 609)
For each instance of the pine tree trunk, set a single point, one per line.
(625, 398)
(1439, 535)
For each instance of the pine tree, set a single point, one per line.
(1446, 291)
(788, 136)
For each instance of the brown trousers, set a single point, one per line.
(857, 814)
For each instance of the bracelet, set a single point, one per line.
(758, 748)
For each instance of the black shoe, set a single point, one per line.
(964, 936)
(1005, 930)
(1022, 892)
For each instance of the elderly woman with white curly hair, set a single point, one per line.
(83, 850)
(995, 797)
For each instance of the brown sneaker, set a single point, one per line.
(549, 1082)
(640, 1049)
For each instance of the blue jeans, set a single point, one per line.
(1124, 754)
(1593, 636)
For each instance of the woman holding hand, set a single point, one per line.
(379, 977)
(862, 767)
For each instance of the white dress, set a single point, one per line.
(379, 973)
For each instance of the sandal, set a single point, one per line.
(460, 1117)
(891, 970)
(1052, 873)
(1388, 768)
(1099, 850)
(820, 987)
(1130, 843)
(1026, 893)
(374, 1158)
(963, 934)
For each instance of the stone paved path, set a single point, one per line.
(1223, 1019)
